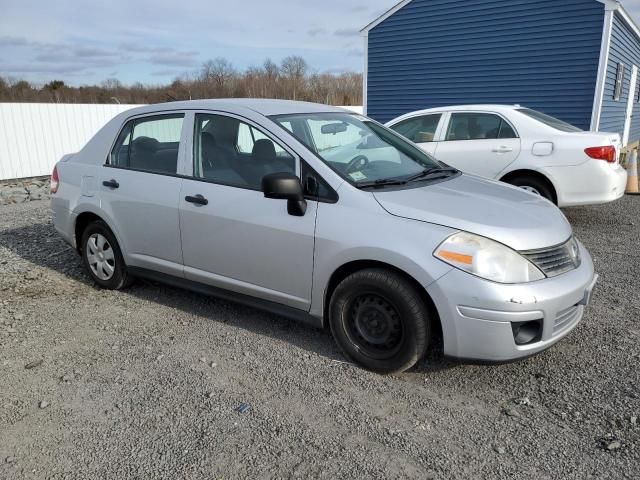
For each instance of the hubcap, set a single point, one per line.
(100, 257)
(374, 326)
(531, 189)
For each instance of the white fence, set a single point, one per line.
(33, 136)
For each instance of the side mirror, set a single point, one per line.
(285, 186)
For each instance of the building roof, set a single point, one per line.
(609, 5)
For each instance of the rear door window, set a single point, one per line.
(149, 144)
(419, 129)
(478, 126)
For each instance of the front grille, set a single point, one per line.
(557, 260)
(566, 318)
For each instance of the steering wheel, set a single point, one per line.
(356, 164)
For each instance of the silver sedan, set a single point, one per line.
(328, 217)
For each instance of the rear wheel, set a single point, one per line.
(102, 257)
(533, 185)
(380, 320)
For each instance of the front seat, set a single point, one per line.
(208, 151)
(265, 159)
(216, 164)
(264, 152)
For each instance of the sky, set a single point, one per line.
(155, 41)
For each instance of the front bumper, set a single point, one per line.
(477, 314)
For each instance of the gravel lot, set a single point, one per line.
(144, 383)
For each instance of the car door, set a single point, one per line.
(481, 143)
(233, 237)
(422, 130)
(140, 191)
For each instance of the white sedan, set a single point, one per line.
(523, 147)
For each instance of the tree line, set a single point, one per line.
(292, 79)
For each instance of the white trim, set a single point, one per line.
(616, 6)
(385, 15)
(629, 20)
(365, 74)
(633, 88)
(602, 70)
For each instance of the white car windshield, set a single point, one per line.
(360, 150)
(549, 121)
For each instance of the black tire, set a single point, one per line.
(379, 320)
(535, 183)
(120, 278)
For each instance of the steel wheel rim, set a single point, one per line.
(374, 326)
(100, 257)
(531, 189)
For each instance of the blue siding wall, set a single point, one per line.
(625, 48)
(540, 53)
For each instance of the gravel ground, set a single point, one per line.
(145, 383)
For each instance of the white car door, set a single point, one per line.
(480, 143)
(422, 130)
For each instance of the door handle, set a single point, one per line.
(197, 199)
(111, 183)
(502, 150)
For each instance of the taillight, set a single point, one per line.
(607, 153)
(55, 181)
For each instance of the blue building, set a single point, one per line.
(577, 60)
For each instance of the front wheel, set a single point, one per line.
(102, 257)
(379, 320)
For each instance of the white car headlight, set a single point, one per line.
(487, 259)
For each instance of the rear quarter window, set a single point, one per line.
(549, 121)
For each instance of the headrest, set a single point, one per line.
(264, 149)
(424, 137)
(207, 140)
(146, 143)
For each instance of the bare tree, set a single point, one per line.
(219, 72)
(294, 69)
(216, 78)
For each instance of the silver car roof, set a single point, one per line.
(264, 107)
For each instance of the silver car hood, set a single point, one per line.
(503, 213)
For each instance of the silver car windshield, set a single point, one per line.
(360, 150)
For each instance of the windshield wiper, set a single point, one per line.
(431, 172)
(383, 182)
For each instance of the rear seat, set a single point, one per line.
(147, 154)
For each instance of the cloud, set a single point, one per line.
(88, 52)
(347, 32)
(174, 58)
(315, 31)
(43, 68)
(166, 73)
(7, 41)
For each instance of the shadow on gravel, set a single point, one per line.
(40, 244)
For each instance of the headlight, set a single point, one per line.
(487, 259)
